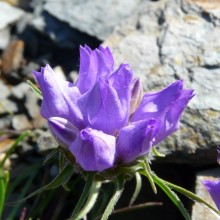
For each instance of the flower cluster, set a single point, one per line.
(104, 118)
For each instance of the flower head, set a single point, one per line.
(213, 187)
(104, 117)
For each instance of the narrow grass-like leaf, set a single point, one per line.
(119, 187)
(191, 195)
(93, 195)
(83, 196)
(3, 186)
(50, 155)
(35, 89)
(137, 188)
(174, 198)
(58, 181)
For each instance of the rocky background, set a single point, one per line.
(162, 40)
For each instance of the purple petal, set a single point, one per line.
(166, 106)
(94, 150)
(136, 140)
(59, 97)
(64, 132)
(121, 81)
(105, 109)
(213, 187)
(93, 64)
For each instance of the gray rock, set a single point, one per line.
(8, 107)
(5, 122)
(4, 90)
(31, 103)
(177, 39)
(4, 37)
(46, 142)
(21, 122)
(5, 11)
(198, 210)
(20, 90)
(6, 20)
(93, 17)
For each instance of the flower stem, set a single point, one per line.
(119, 187)
(96, 185)
(156, 153)
(83, 197)
(148, 173)
(137, 188)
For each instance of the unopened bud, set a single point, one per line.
(64, 132)
(136, 95)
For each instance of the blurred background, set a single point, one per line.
(162, 40)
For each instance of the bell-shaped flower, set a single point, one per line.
(59, 97)
(103, 117)
(106, 106)
(136, 139)
(167, 106)
(94, 64)
(213, 187)
(94, 150)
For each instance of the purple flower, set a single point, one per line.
(213, 187)
(104, 118)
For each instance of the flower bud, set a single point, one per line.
(63, 131)
(136, 95)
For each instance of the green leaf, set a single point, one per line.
(83, 196)
(191, 195)
(146, 171)
(50, 155)
(174, 198)
(93, 195)
(137, 189)
(4, 178)
(35, 89)
(58, 181)
(119, 187)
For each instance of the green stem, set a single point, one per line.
(148, 173)
(119, 187)
(91, 199)
(35, 89)
(156, 153)
(3, 186)
(83, 197)
(137, 188)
